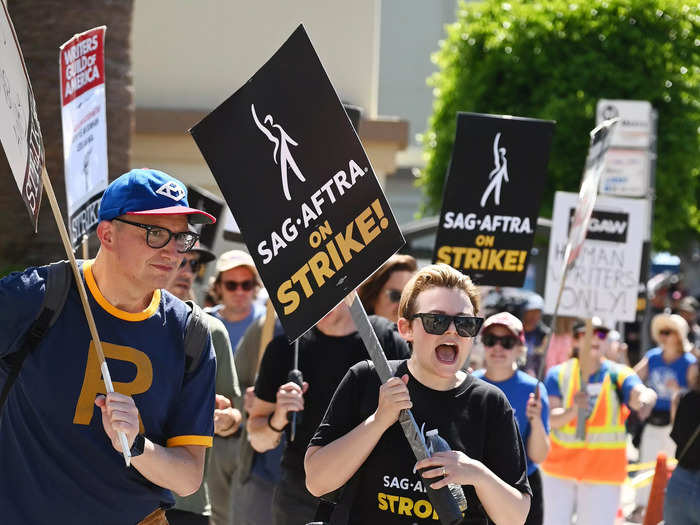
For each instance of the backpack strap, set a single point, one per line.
(196, 336)
(59, 280)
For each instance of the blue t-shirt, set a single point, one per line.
(236, 329)
(57, 464)
(518, 389)
(660, 373)
(623, 376)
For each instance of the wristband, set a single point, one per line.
(269, 424)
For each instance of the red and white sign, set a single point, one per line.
(84, 116)
(20, 133)
(82, 64)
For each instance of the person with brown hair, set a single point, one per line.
(363, 441)
(380, 294)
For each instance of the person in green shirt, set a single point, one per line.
(196, 509)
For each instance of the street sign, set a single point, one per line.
(635, 128)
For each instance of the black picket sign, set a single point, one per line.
(492, 196)
(299, 185)
(203, 200)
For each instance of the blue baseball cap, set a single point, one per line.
(149, 192)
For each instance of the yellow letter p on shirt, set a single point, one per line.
(93, 384)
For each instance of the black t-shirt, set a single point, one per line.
(687, 420)
(323, 360)
(474, 417)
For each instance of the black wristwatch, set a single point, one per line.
(137, 447)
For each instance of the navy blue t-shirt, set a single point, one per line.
(57, 464)
(518, 389)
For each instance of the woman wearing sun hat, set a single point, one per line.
(666, 369)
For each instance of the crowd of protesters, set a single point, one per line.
(491, 379)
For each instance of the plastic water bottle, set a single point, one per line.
(435, 444)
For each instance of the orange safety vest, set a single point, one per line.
(601, 457)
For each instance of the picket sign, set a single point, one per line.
(595, 163)
(22, 143)
(486, 228)
(84, 124)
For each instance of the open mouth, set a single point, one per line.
(446, 353)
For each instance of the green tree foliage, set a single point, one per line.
(553, 59)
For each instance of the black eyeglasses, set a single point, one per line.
(232, 286)
(158, 237)
(194, 264)
(393, 295)
(437, 324)
(665, 332)
(507, 341)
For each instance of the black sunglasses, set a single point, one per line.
(393, 295)
(437, 324)
(232, 286)
(507, 341)
(158, 237)
(195, 264)
(665, 332)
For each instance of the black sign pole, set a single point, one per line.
(295, 376)
(444, 502)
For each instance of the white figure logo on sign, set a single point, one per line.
(86, 169)
(498, 173)
(285, 156)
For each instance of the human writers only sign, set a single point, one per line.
(603, 279)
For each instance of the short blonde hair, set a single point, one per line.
(438, 275)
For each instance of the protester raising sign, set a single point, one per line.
(299, 184)
(20, 133)
(84, 116)
(603, 279)
(492, 196)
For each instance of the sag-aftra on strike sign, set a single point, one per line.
(492, 196)
(299, 185)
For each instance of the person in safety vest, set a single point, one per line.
(587, 474)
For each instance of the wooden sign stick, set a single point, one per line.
(84, 299)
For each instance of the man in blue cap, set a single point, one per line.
(60, 456)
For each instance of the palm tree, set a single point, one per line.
(42, 26)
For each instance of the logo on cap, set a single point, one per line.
(172, 190)
(282, 145)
